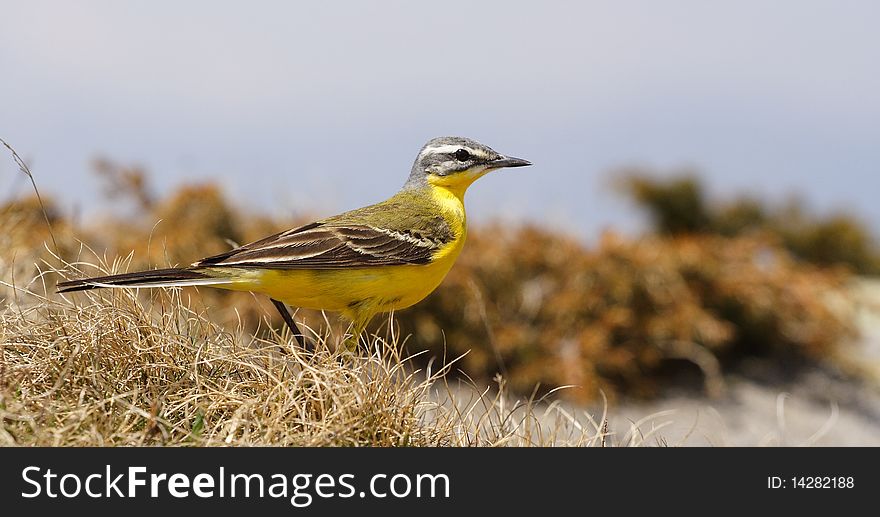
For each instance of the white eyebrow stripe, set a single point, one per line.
(451, 148)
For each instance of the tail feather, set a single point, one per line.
(154, 278)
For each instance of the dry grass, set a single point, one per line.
(115, 368)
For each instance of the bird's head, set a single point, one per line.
(455, 162)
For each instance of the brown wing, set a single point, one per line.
(332, 246)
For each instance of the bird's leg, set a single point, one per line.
(358, 328)
(288, 319)
(351, 342)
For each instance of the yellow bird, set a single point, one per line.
(378, 258)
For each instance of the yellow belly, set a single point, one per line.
(357, 293)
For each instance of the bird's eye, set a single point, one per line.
(462, 155)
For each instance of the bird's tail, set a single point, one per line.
(173, 277)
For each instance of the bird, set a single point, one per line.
(375, 259)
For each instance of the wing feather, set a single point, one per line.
(333, 246)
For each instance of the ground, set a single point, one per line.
(772, 402)
(818, 408)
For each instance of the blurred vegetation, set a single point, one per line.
(679, 205)
(713, 285)
(544, 309)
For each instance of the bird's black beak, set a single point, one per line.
(508, 161)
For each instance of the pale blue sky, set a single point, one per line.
(319, 108)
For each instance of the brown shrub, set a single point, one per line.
(679, 205)
(541, 308)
